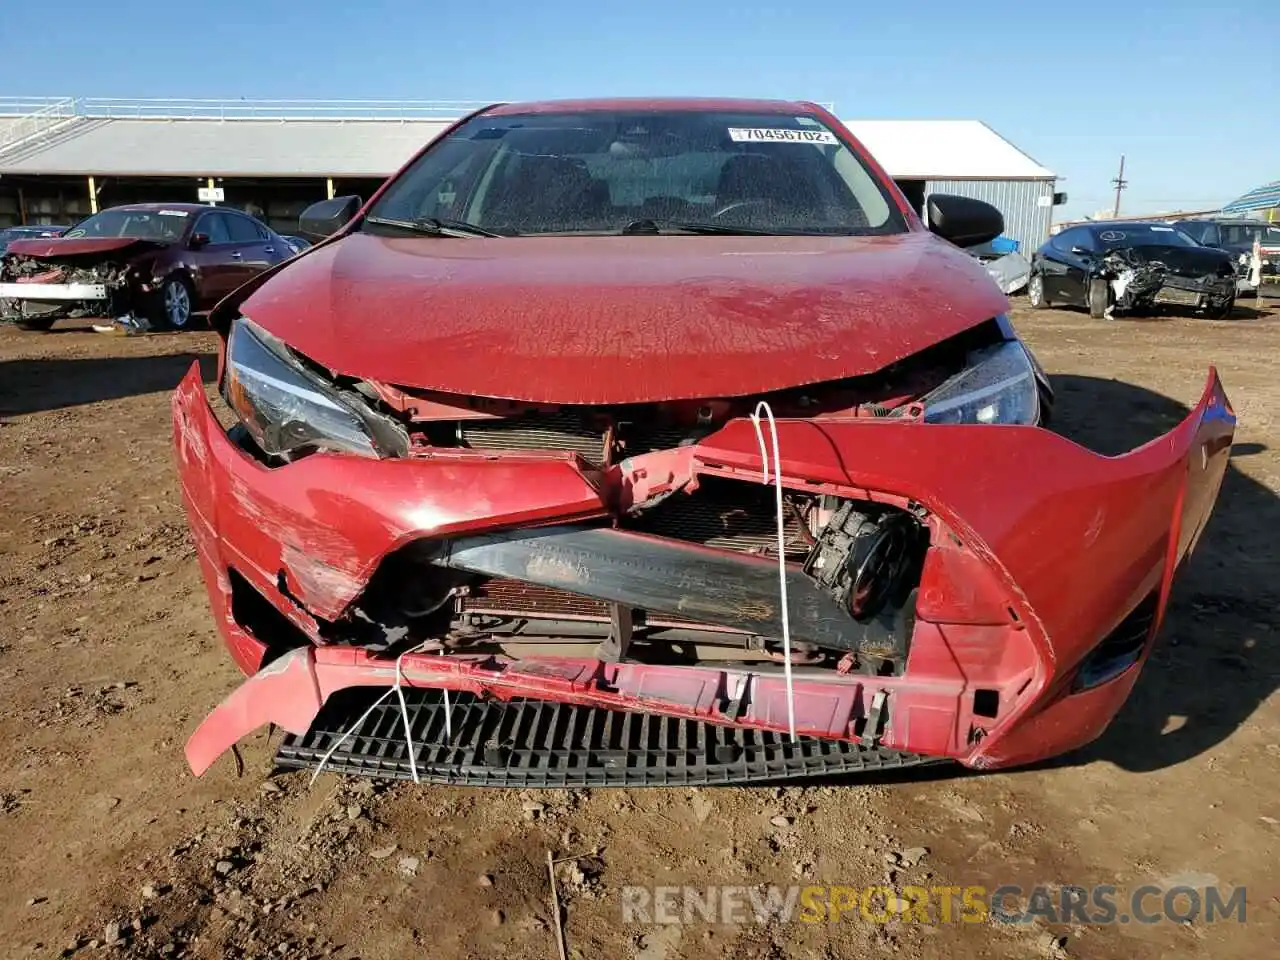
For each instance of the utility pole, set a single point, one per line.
(1120, 183)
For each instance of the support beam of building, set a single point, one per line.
(93, 196)
(328, 186)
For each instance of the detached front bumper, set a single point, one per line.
(1055, 559)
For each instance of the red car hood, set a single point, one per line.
(621, 319)
(54, 248)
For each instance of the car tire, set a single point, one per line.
(1099, 298)
(173, 304)
(40, 324)
(1224, 313)
(1035, 292)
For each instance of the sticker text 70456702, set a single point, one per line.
(780, 135)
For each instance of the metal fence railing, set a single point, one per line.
(280, 109)
(24, 119)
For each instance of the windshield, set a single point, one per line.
(1143, 235)
(165, 226)
(603, 172)
(1243, 234)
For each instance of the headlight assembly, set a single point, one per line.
(997, 386)
(289, 411)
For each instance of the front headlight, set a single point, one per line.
(288, 410)
(997, 386)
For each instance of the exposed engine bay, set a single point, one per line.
(685, 567)
(691, 579)
(40, 290)
(1141, 277)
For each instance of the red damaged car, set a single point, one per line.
(658, 442)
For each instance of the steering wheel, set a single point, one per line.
(743, 204)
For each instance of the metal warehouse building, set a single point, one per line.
(64, 158)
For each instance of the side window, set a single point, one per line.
(214, 226)
(1209, 235)
(1236, 235)
(1193, 230)
(1076, 236)
(243, 230)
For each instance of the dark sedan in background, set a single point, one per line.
(151, 265)
(1132, 267)
(1237, 236)
(27, 232)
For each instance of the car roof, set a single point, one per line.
(184, 207)
(684, 104)
(1126, 224)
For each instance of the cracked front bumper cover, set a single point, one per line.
(1070, 541)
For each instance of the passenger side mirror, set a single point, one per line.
(962, 220)
(327, 217)
(198, 240)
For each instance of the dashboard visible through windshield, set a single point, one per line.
(640, 172)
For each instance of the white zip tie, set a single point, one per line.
(398, 690)
(782, 548)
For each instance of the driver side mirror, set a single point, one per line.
(962, 220)
(327, 217)
(198, 240)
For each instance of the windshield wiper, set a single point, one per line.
(434, 226)
(653, 227)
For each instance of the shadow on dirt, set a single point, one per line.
(1216, 660)
(33, 385)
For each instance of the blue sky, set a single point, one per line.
(1188, 94)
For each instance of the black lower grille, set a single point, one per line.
(533, 743)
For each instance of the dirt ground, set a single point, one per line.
(108, 658)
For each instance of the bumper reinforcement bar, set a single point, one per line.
(54, 291)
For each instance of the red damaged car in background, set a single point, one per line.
(146, 265)
(654, 442)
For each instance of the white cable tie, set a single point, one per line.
(782, 548)
(346, 736)
(448, 710)
(397, 689)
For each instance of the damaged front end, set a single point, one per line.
(960, 582)
(1143, 278)
(36, 289)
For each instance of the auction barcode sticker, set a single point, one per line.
(780, 135)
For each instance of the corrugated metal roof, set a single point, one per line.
(918, 149)
(227, 148)
(1259, 198)
(945, 150)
